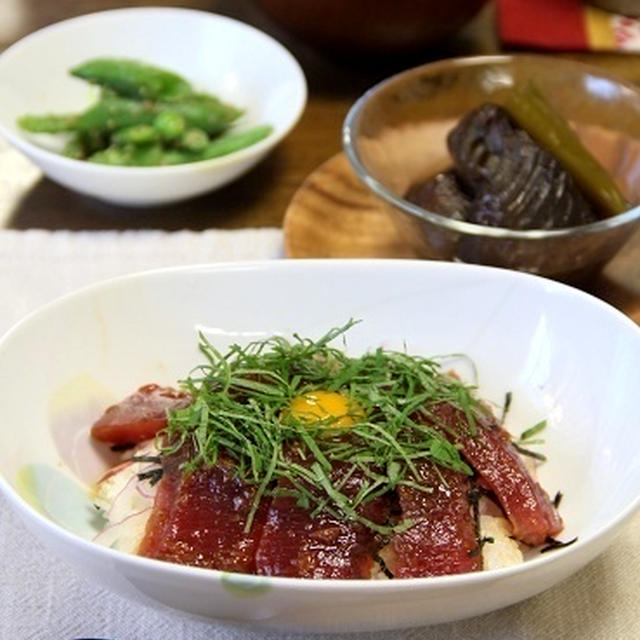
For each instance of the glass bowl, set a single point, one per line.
(395, 136)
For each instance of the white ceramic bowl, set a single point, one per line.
(216, 54)
(528, 335)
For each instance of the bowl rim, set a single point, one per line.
(351, 122)
(25, 144)
(28, 512)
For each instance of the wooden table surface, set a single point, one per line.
(259, 199)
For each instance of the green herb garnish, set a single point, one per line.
(527, 434)
(508, 397)
(527, 452)
(241, 410)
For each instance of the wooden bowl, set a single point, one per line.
(372, 27)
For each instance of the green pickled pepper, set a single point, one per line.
(548, 128)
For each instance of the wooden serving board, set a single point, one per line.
(333, 215)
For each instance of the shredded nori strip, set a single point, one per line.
(153, 475)
(552, 544)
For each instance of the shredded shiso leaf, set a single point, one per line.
(241, 411)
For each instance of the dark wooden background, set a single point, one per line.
(260, 198)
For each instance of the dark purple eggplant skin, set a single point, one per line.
(442, 194)
(502, 178)
(515, 182)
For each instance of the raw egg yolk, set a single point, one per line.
(321, 405)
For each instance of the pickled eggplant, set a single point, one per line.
(443, 194)
(503, 178)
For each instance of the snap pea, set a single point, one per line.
(146, 155)
(536, 116)
(114, 113)
(138, 134)
(234, 142)
(205, 112)
(74, 149)
(156, 155)
(48, 123)
(93, 139)
(169, 124)
(130, 155)
(193, 140)
(113, 155)
(145, 116)
(133, 79)
(84, 143)
(178, 156)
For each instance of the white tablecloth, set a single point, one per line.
(42, 598)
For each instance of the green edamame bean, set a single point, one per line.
(138, 134)
(47, 123)
(133, 79)
(115, 113)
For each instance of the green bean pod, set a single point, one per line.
(133, 79)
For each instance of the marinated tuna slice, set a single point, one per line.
(516, 183)
(443, 539)
(295, 544)
(139, 416)
(442, 194)
(501, 469)
(199, 518)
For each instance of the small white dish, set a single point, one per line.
(565, 356)
(218, 55)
